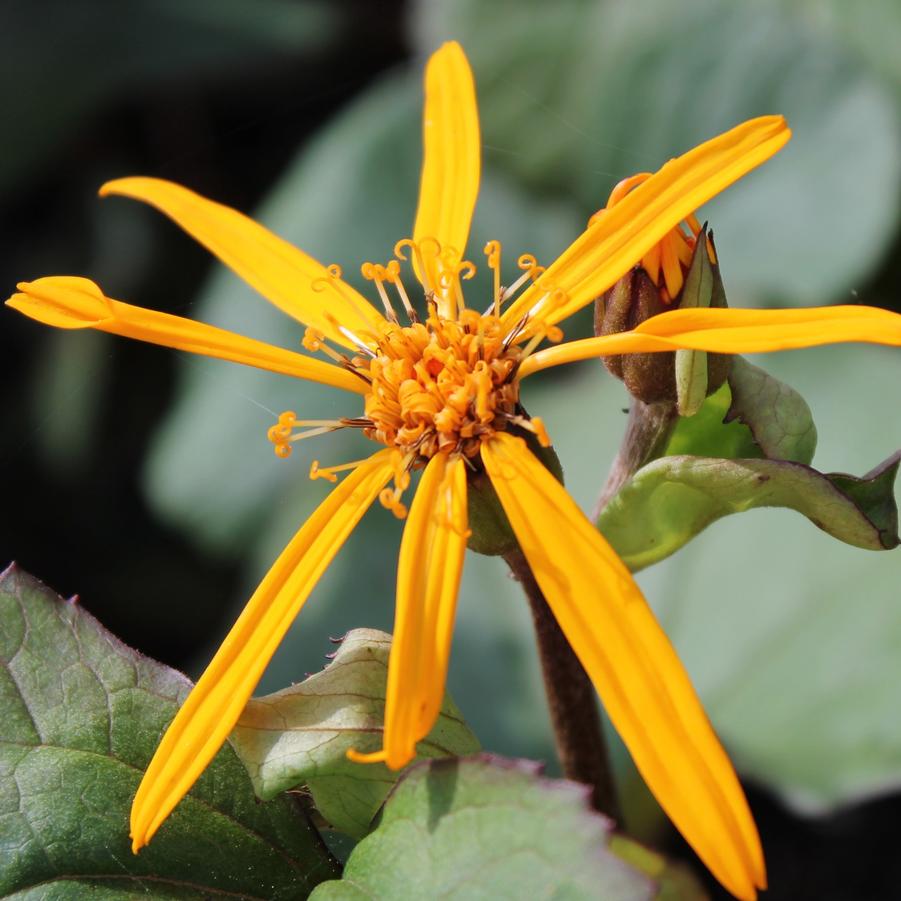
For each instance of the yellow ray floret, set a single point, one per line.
(284, 275)
(428, 578)
(727, 330)
(450, 170)
(630, 229)
(74, 303)
(644, 687)
(214, 705)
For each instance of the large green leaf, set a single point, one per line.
(301, 735)
(486, 828)
(80, 716)
(672, 499)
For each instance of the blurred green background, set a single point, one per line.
(143, 480)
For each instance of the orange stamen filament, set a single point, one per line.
(493, 253)
(329, 472)
(379, 275)
(393, 274)
(283, 435)
(358, 342)
(335, 281)
(416, 248)
(314, 341)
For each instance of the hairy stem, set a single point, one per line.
(580, 742)
(648, 429)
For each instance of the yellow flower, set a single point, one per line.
(441, 394)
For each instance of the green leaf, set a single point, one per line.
(486, 828)
(301, 735)
(80, 716)
(711, 468)
(669, 501)
(752, 415)
(778, 417)
(874, 493)
(709, 434)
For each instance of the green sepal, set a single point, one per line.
(691, 365)
(491, 532)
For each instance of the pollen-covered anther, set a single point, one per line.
(390, 500)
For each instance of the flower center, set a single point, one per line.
(442, 385)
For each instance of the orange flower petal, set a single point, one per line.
(284, 275)
(215, 704)
(627, 231)
(757, 331)
(428, 578)
(643, 685)
(728, 330)
(450, 169)
(73, 303)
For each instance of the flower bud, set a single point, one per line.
(682, 377)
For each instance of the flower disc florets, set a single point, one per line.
(442, 385)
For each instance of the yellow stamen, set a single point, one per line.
(393, 275)
(329, 473)
(379, 275)
(493, 253)
(532, 270)
(314, 342)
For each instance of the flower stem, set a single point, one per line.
(648, 429)
(581, 747)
